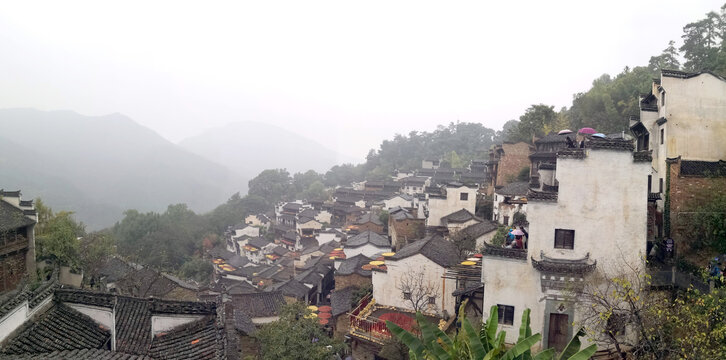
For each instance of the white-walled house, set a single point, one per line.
(430, 257)
(367, 243)
(250, 231)
(328, 235)
(454, 197)
(324, 216)
(595, 222)
(307, 226)
(509, 200)
(400, 200)
(413, 185)
(482, 232)
(258, 220)
(459, 220)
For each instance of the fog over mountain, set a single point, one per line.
(100, 166)
(250, 147)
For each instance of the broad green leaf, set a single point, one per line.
(573, 346)
(472, 337)
(585, 353)
(548, 354)
(521, 346)
(413, 343)
(492, 323)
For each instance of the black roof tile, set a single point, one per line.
(433, 247)
(60, 328)
(263, 304)
(368, 237)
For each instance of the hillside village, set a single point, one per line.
(568, 210)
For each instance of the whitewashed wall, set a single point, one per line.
(385, 284)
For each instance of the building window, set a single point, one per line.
(650, 180)
(564, 239)
(464, 196)
(661, 136)
(506, 220)
(662, 99)
(506, 314)
(432, 300)
(406, 296)
(660, 185)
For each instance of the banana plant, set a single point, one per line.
(487, 343)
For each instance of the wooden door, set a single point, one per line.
(557, 335)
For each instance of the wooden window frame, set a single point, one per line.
(506, 314)
(563, 244)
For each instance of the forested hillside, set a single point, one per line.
(176, 237)
(100, 166)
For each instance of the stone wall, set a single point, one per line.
(686, 194)
(369, 226)
(515, 158)
(405, 231)
(344, 281)
(12, 270)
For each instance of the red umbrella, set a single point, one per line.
(325, 308)
(325, 315)
(323, 321)
(587, 130)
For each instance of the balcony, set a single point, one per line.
(517, 254)
(368, 327)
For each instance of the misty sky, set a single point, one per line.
(348, 74)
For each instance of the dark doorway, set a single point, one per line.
(557, 335)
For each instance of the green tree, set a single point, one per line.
(668, 59)
(316, 191)
(273, 185)
(94, 249)
(197, 269)
(703, 42)
(59, 240)
(537, 119)
(296, 335)
(609, 103)
(484, 343)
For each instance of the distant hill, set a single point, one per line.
(250, 147)
(100, 166)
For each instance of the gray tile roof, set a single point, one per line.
(60, 328)
(197, 340)
(12, 217)
(79, 354)
(369, 218)
(703, 168)
(353, 265)
(368, 237)
(258, 242)
(340, 300)
(481, 228)
(433, 247)
(460, 216)
(262, 304)
(519, 188)
(292, 288)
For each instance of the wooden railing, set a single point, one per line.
(369, 328)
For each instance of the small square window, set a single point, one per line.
(506, 314)
(564, 239)
(464, 196)
(406, 296)
(432, 299)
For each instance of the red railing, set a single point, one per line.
(369, 328)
